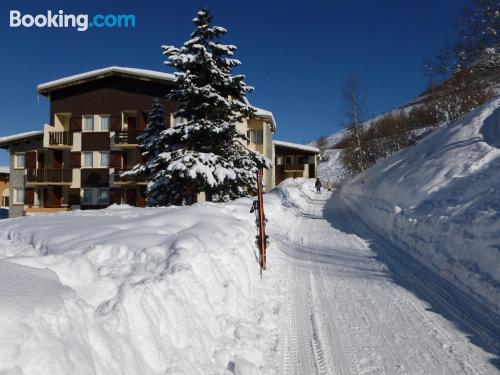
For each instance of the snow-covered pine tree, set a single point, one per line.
(205, 152)
(151, 145)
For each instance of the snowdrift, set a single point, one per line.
(136, 291)
(441, 199)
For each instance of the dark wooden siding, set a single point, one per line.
(141, 198)
(110, 95)
(168, 123)
(74, 197)
(116, 122)
(29, 196)
(95, 141)
(115, 159)
(75, 123)
(75, 160)
(30, 160)
(95, 177)
(115, 195)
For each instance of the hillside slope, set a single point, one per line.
(441, 199)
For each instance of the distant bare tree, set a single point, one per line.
(322, 142)
(354, 101)
(476, 44)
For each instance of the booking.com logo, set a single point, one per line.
(79, 21)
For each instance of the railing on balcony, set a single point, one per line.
(294, 167)
(60, 139)
(127, 137)
(48, 205)
(119, 179)
(56, 175)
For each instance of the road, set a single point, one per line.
(353, 303)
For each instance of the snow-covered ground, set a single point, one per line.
(135, 291)
(178, 291)
(441, 199)
(353, 303)
(399, 275)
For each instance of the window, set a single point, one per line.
(279, 160)
(103, 196)
(105, 122)
(88, 123)
(19, 161)
(88, 159)
(95, 196)
(105, 159)
(178, 120)
(256, 136)
(19, 196)
(88, 196)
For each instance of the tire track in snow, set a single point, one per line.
(344, 314)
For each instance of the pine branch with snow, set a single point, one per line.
(205, 152)
(151, 144)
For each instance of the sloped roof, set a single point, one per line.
(19, 137)
(264, 113)
(47, 87)
(297, 146)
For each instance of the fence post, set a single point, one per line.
(262, 221)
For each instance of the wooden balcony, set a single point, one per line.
(127, 180)
(294, 167)
(61, 140)
(127, 138)
(56, 176)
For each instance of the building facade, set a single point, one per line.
(95, 118)
(294, 161)
(4, 187)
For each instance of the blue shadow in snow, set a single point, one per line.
(480, 323)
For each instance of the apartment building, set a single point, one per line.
(75, 162)
(4, 187)
(292, 160)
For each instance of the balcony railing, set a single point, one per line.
(56, 175)
(294, 167)
(119, 179)
(60, 139)
(127, 137)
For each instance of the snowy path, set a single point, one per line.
(344, 313)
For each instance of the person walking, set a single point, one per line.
(329, 184)
(318, 185)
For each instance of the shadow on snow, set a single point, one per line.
(480, 324)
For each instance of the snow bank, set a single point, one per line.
(441, 199)
(136, 291)
(292, 193)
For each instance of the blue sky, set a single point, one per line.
(295, 53)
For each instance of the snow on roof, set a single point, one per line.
(15, 137)
(106, 71)
(297, 146)
(4, 169)
(262, 112)
(265, 113)
(47, 86)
